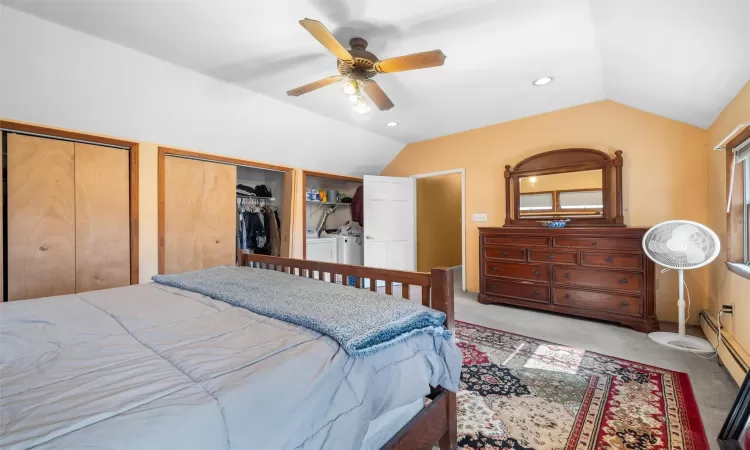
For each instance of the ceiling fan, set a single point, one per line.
(358, 67)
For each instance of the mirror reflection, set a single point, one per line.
(562, 195)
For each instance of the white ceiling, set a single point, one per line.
(683, 59)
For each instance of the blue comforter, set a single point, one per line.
(363, 322)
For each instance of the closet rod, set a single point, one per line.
(222, 162)
(26, 133)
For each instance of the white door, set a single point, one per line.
(390, 225)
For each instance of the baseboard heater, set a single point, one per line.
(727, 341)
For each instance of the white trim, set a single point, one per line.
(721, 146)
(462, 171)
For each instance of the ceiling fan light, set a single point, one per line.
(353, 98)
(350, 88)
(361, 107)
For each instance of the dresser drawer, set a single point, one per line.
(602, 279)
(523, 291)
(515, 270)
(597, 243)
(553, 257)
(515, 254)
(600, 301)
(613, 260)
(531, 241)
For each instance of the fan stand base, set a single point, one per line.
(685, 343)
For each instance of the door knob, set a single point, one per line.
(218, 241)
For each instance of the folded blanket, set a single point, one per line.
(363, 322)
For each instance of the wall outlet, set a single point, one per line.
(482, 217)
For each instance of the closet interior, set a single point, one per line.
(66, 216)
(212, 208)
(333, 228)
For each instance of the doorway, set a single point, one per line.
(440, 223)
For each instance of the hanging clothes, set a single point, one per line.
(274, 233)
(358, 207)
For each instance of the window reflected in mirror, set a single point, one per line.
(562, 195)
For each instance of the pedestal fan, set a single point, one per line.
(681, 245)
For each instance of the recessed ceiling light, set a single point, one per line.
(542, 81)
(392, 124)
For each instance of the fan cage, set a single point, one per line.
(698, 244)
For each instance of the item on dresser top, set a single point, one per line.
(595, 272)
(358, 206)
(554, 223)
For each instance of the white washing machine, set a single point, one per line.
(349, 251)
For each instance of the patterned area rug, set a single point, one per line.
(521, 393)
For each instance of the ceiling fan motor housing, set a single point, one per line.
(363, 65)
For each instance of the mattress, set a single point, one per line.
(154, 367)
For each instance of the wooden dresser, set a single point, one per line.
(601, 273)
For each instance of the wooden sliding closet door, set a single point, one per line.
(200, 220)
(41, 217)
(102, 201)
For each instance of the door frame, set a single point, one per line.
(312, 173)
(132, 147)
(163, 152)
(462, 171)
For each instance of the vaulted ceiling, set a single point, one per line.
(683, 59)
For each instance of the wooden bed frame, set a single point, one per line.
(437, 422)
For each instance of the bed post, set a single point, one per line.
(442, 300)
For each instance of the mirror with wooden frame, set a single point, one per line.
(579, 184)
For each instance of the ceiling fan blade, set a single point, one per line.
(314, 85)
(414, 61)
(321, 33)
(376, 94)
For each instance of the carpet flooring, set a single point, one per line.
(522, 393)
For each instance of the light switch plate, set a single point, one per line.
(482, 217)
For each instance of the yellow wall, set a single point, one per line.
(438, 222)
(664, 172)
(726, 287)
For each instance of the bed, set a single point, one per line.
(155, 366)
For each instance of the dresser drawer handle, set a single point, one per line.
(503, 253)
(624, 303)
(494, 268)
(610, 259)
(623, 281)
(536, 292)
(550, 256)
(494, 286)
(567, 275)
(514, 240)
(593, 244)
(567, 296)
(537, 273)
